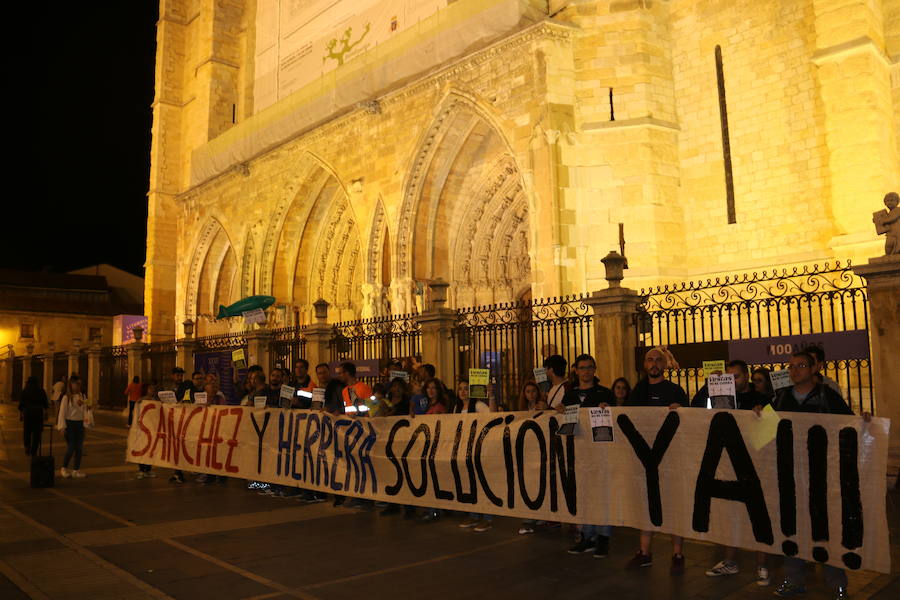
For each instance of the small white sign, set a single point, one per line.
(780, 379)
(601, 425)
(540, 375)
(570, 420)
(401, 374)
(257, 315)
(200, 398)
(287, 392)
(259, 401)
(721, 385)
(318, 398)
(167, 396)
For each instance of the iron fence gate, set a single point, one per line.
(377, 341)
(159, 359)
(113, 376)
(783, 310)
(512, 339)
(288, 345)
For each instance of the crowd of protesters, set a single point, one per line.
(420, 391)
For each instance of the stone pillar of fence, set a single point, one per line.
(437, 323)
(184, 349)
(26, 364)
(615, 336)
(135, 351)
(6, 378)
(93, 374)
(73, 355)
(258, 348)
(882, 277)
(318, 335)
(48, 370)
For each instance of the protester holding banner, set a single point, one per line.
(257, 381)
(589, 393)
(556, 373)
(531, 397)
(818, 354)
(436, 395)
(476, 521)
(73, 414)
(762, 383)
(621, 389)
(806, 395)
(273, 391)
(656, 390)
(145, 470)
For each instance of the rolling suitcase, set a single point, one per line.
(43, 468)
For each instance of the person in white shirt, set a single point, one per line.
(556, 373)
(74, 410)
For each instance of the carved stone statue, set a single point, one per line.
(887, 222)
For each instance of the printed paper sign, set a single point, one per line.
(238, 358)
(257, 315)
(167, 396)
(721, 390)
(601, 425)
(478, 382)
(780, 379)
(401, 374)
(691, 473)
(540, 377)
(570, 420)
(259, 401)
(287, 392)
(713, 366)
(318, 398)
(200, 398)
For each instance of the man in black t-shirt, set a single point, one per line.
(589, 393)
(656, 390)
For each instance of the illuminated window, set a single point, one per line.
(26, 330)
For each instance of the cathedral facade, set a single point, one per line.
(355, 151)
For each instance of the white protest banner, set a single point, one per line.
(780, 379)
(257, 315)
(200, 398)
(167, 396)
(816, 491)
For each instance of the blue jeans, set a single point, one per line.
(74, 442)
(590, 532)
(482, 517)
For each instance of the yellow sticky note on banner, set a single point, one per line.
(766, 429)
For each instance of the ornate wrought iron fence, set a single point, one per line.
(512, 339)
(220, 342)
(159, 360)
(288, 345)
(798, 301)
(382, 338)
(113, 376)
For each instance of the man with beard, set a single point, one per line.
(656, 390)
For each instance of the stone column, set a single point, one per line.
(184, 349)
(883, 288)
(135, 352)
(74, 355)
(258, 343)
(93, 374)
(318, 336)
(6, 376)
(437, 323)
(48, 370)
(615, 335)
(26, 364)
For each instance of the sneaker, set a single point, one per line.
(265, 492)
(762, 576)
(483, 525)
(601, 550)
(788, 589)
(140, 475)
(65, 472)
(176, 479)
(470, 522)
(723, 567)
(841, 594)
(525, 529)
(76, 474)
(677, 567)
(639, 560)
(149, 474)
(430, 517)
(582, 546)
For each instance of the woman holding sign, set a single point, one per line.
(476, 521)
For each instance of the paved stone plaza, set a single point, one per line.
(112, 536)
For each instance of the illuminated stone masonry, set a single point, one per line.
(510, 169)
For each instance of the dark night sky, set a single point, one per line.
(78, 102)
